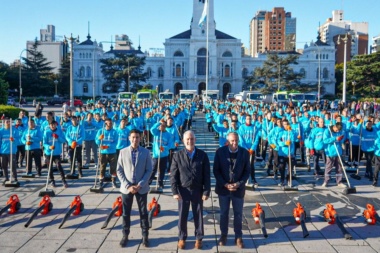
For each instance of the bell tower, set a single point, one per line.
(200, 31)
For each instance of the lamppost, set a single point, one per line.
(71, 66)
(353, 87)
(129, 77)
(56, 82)
(20, 82)
(344, 39)
(319, 71)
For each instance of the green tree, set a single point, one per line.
(35, 73)
(3, 89)
(364, 70)
(276, 73)
(64, 77)
(122, 69)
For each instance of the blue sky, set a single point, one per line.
(155, 20)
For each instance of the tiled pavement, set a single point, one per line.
(83, 233)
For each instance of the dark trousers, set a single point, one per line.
(273, 160)
(330, 163)
(57, 160)
(298, 146)
(20, 154)
(104, 160)
(252, 163)
(377, 169)
(171, 153)
(237, 206)
(36, 155)
(355, 155)
(193, 197)
(78, 157)
(317, 155)
(209, 127)
(282, 162)
(163, 166)
(264, 149)
(368, 166)
(142, 205)
(5, 161)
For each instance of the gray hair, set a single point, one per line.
(233, 133)
(189, 132)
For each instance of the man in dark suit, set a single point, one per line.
(231, 171)
(190, 183)
(134, 168)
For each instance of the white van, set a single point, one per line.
(187, 94)
(211, 94)
(125, 96)
(166, 95)
(144, 95)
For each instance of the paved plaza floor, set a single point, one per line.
(83, 233)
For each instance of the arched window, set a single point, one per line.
(317, 74)
(86, 55)
(80, 55)
(149, 72)
(303, 72)
(316, 57)
(227, 71)
(227, 54)
(178, 70)
(88, 71)
(325, 73)
(81, 71)
(85, 88)
(244, 72)
(324, 56)
(178, 54)
(201, 61)
(160, 72)
(327, 56)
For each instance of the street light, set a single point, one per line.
(20, 87)
(344, 39)
(56, 82)
(353, 87)
(319, 71)
(71, 66)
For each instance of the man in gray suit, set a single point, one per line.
(134, 168)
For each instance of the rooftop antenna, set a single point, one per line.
(139, 47)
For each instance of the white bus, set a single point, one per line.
(255, 96)
(143, 95)
(211, 94)
(187, 94)
(166, 95)
(125, 96)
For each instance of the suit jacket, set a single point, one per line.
(241, 171)
(125, 169)
(192, 174)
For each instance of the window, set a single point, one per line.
(303, 72)
(178, 54)
(85, 88)
(160, 72)
(88, 71)
(201, 61)
(227, 71)
(325, 73)
(327, 56)
(227, 54)
(245, 72)
(149, 72)
(81, 72)
(178, 70)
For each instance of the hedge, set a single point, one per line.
(11, 111)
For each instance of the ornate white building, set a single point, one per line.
(184, 63)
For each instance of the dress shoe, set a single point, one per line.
(123, 241)
(198, 244)
(223, 240)
(239, 243)
(145, 242)
(181, 244)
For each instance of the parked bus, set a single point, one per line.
(166, 95)
(187, 94)
(125, 96)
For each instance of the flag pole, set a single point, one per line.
(207, 52)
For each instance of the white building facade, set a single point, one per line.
(184, 63)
